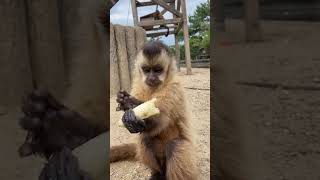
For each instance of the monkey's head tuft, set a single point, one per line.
(153, 49)
(155, 64)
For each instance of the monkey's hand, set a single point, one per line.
(126, 101)
(132, 123)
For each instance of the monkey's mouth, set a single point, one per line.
(153, 83)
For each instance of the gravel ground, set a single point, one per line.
(197, 88)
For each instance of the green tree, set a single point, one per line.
(199, 30)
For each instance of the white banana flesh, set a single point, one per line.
(145, 110)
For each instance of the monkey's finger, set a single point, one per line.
(30, 123)
(35, 108)
(25, 150)
(120, 100)
(126, 93)
(39, 95)
(119, 108)
(135, 126)
(54, 103)
(120, 94)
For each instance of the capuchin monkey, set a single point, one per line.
(165, 141)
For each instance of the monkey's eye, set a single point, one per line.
(146, 69)
(158, 69)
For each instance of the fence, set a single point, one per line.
(197, 63)
(125, 42)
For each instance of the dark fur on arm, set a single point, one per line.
(52, 126)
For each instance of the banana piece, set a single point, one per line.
(145, 110)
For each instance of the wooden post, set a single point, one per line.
(140, 38)
(134, 12)
(15, 71)
(120, 35)
(177, 48)
(186, 37)
(253, 29)
(218, 15)
(114, 69)
(47, 61)
(86, 59)
(177, 51)
(131, 49)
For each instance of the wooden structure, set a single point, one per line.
(154, 28)
(125, 42)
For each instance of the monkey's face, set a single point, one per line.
(154, 64)
(153, 75)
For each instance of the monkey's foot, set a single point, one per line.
(133, 124)
(126, 101)
(158, 176)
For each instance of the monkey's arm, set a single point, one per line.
(145, 117)
(52, 126)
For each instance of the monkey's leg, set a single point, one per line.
(179, 161)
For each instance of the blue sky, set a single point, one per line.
(121, 14)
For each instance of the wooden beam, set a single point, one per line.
(178, 8)
(111, 3)
(161, 28)
(150, 3)
(178, 5)
(178, 28)
(186, 37)
(177, 51)
(159, 22)
(166, 6)
(156, 34)
(134, 12)
(163, 11)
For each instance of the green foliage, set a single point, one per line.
(199, 31)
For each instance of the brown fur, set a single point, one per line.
(123, 152)
(167, 146)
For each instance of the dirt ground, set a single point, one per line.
(197, 89)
